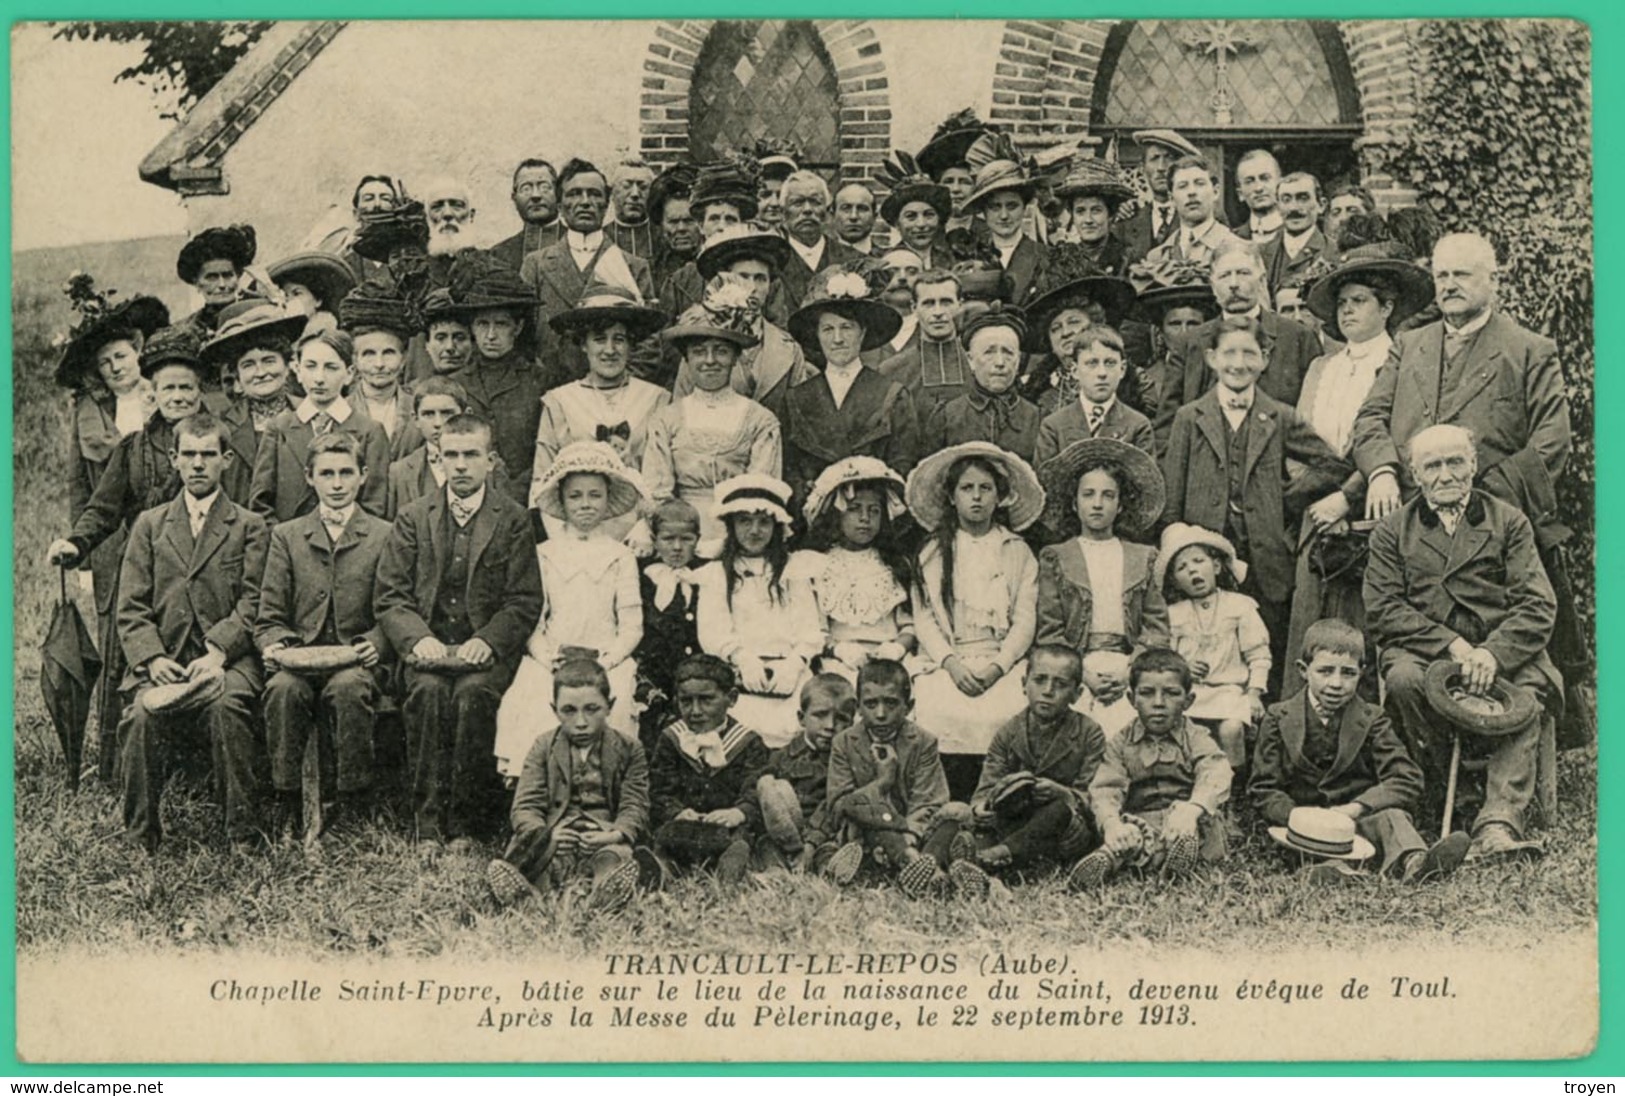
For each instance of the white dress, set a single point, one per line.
(859, 601)
(784, 632)
(575, 412)
(592, 600)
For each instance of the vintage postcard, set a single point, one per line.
(796, 540)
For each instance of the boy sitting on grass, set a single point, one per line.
(582, 800)
(792, 792)
(888, 795)
(1327, 747)
(1032, 803)
(702, 777)
(1161, 784)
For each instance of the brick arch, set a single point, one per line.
(1382, 57)
(864, 88)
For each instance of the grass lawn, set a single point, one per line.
(80, 887)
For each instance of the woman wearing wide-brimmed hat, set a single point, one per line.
(917, 208)
(975, 605)
(608, 404)
(212, 262)
(943, 160)
(724, 197)
(767, 369)
(1370, 293)
(594, 608)
(382, 324)
(1002, 194)
(1179, 300)
(313, 283)
(1091, 194)
(850, 410)
(140, 474)
(1076, 296)
(711, 433)
(101, 367)
(757, 612)
(252, 352)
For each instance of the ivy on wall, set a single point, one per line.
(1501, 145)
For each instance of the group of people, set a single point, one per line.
(734, 531)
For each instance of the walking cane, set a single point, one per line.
(1450, 784)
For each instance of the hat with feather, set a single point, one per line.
(1077, 282)
(98, 322)
(906, 184)
(948, 144)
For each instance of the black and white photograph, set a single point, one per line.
(792, 540)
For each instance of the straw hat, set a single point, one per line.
(1179, 536)
(1506, 710)
(626, 490)
(602, 305)
(99, 323)
(995, 176)
(753, 493)
(1061, 473)
(742, 241)
(325, 275)
(926, 488)
(235, 243)
(1087, 175)
(243, 321)
(724, 312)
(847, 293)
(203, 688)
(319, 660)
(836, 483)
(1318, 831)
(1385, 260)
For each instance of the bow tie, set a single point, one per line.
(1238, 403)
(620, 430)
(463, 510)
(330, 516)
(431, 455)
(668, 580)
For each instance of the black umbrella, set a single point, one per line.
(68, 669)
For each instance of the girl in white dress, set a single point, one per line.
(754, 612)
(607, 405)
(593, 607)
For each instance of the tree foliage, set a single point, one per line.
(180, 62)
(1502, 146)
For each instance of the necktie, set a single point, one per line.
(1097, 415)
(197, 518)
(462, 511)
(1163, 216)
(321, 423)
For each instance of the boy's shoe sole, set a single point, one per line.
(614, 892)
(1090, 872)
(843, 866)
(919, 877)
(1180, 859)
(963, 848)
(970, 882)
(508, 883)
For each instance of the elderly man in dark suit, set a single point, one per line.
(458, 593)
(535, 197)
(1479, 369)
(1454, 574)
(586, 255)
(188, 593)
(806, 210)
(1238, 282)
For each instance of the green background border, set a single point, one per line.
(1607, 20)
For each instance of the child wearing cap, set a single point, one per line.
(860, 576)
(1217, 630)
(581, 802)
(1326, 747)
(990, 409)
(1098, 593)
(703, 775)
(670, 586)
(756, 613)
(593, 607)
(976, 598)
(793, 792)
(1161, 784)
(1031, 805)
(1098, 363)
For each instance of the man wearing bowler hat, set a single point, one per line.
(1454, 574)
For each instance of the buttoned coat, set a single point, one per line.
(1066, 598)
(875, 420)
(171, 584)
(1288, 347)
(1371, 766)
(543, 796)
(1509, 393)
(1071, 423)
(1424, 588)
(1007, 420)
(1281, 268)
(920, 790)
(559, 284)
(308, 578)
(908, 368)
(278, 491)
(503, 597)
(797, 275)
(1196, 470)
(1070, 758)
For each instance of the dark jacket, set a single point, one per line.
(1288, 347)
(279, 492)
(1007, 420)
(1280, 268)
(807, 771)
(543, 794)
(1371, 766)
(1066, 601)
(139, 476)
(504, 592)
(559, 283)
(1070, 424)
(308, 579)
(1070, 756)
(920, 789)
(678, 783)
(875, 420)
(932, 373)
(410, 478)
(507, 393)
(798, 275)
